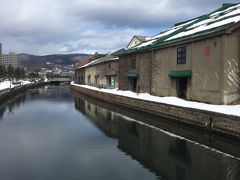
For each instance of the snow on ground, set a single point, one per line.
(6, 85)
(225, 109)
(9, 84)
(25, 82)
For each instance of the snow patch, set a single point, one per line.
(9, 84)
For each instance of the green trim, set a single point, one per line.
(179, 40)
(161, 42)
(178, 74)
(132, 74)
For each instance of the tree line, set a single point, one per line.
(11, 72)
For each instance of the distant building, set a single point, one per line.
(80, 72)
(67, 74)
(1, 53)
(136, 40)
(102, 72)
(10, 59)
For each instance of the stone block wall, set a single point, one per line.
(210, 121)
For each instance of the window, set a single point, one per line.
(133, 63)
(181, 55)
(109, 66)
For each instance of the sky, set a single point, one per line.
(44, 27)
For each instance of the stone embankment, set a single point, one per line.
(7, 93)
(210, 121)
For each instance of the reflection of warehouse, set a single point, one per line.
(197, 60)
(168, 157)
(172, 158)
(102, 118)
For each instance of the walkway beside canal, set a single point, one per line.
(216, 122)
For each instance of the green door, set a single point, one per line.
(111, 82)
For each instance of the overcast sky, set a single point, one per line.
(69, 26)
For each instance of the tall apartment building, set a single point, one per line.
(0, 53)
(10, 59)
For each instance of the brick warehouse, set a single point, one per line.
(198, 60)
(102, 72)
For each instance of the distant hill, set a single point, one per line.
(56, 60)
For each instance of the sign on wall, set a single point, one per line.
(207, 51)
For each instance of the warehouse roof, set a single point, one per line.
(109, 57)
(218, 21)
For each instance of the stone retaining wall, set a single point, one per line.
(11, 92)
(216, 122)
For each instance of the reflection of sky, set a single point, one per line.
(51, 140)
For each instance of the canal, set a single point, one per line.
(51, 133)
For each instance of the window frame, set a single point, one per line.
(133, 63)
(182, 55)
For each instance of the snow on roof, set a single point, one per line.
(146, 43)
(221, 19)
(107, 58)
(227, 10)
(82, 63)
(207, 25)
(171, 30)
(141, 38)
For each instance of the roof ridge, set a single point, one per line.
(181, 29)
(223, 7)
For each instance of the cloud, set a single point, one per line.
(59, 26)
(142, 13)
(103, 40)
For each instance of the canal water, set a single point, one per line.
(51, 133)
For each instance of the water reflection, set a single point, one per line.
(168, 156)
(47, 93)
(43, 136)
(46, 139)
(100, 117)
(12, 103)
